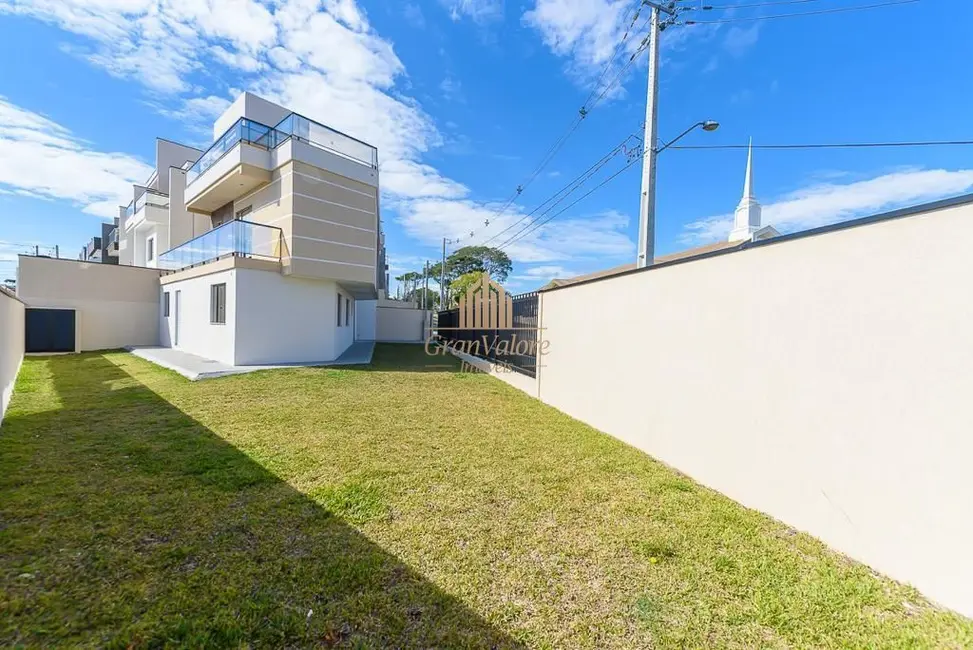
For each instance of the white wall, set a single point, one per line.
(197, 335)
(400, 325)
(252, 107)
(11, 345)
(116, 306)
(824, 380)
(284, 319)
(171, 154)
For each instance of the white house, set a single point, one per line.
(268, 237)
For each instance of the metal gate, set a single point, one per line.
(521, 358)
(49, 330)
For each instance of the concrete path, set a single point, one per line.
(194, 367)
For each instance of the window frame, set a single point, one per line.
(244, 212)
(347, 311)
(165, 304)
(150, 249)
(217, 303)
(339, 309)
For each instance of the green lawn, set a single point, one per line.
(391, 506)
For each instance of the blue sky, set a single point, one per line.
(463, 98)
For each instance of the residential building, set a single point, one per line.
(104, 248)
(267, 238)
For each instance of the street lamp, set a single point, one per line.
(646, 242)
(707, 125)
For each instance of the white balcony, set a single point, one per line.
(150, 208)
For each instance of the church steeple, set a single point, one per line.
(746, 219)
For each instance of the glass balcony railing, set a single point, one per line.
(241, 238)
(292, 126)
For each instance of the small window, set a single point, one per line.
(244, 212)
(339, 310)
(165, 304)
(347, 311)
(150, 249)
(217, 303)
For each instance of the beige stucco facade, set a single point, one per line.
(11, 345)
(116, 306)
(824, 380)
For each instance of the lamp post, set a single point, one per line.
(646, 241)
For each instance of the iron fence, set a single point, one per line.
(515, 347)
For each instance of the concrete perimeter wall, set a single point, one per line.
(826, 380)
(116, 306)
(11, 345)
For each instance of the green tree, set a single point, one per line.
(460, 285)
(475, 259)
(432, 297)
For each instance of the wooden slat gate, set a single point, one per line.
(521, 338)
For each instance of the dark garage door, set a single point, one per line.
(49, 330)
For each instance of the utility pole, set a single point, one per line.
(37, 250)
(442, 279)
(57, 252)
(647, 198)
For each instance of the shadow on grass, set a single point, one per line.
(126, 523)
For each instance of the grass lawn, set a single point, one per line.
(390, 506)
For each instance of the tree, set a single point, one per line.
(410, 281)
(474, 259)
(460, 285)
(432, 297)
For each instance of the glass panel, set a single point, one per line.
(234, 237)
(321, 136)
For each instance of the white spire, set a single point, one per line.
(746, 219)
(748, 183)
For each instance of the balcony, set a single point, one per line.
(150, 207)
(234, 238)
(242, 158)
(92, 251)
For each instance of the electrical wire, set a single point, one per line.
(540, 224)
(568, 189)
(830, 145)
(757, 4)
(586, 108)
(803, 13)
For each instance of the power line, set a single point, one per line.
(583, 112)
(803, 13)
(569, 188)
(757, 4)
(571, 205)
(831, 145)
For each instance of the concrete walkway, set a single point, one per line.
(194, 367)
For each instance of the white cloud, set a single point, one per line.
(452, 89)
(414, 16)
(480, 11)
(738, 40)
(825, 203)
(43, 159)
(324, 60)
(584, 31)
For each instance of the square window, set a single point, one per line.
(217, 304)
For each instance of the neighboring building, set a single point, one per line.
(102, 249)
(269, 237)
(746, 228)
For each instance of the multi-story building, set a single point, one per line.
(267, 238)
(104, 248)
